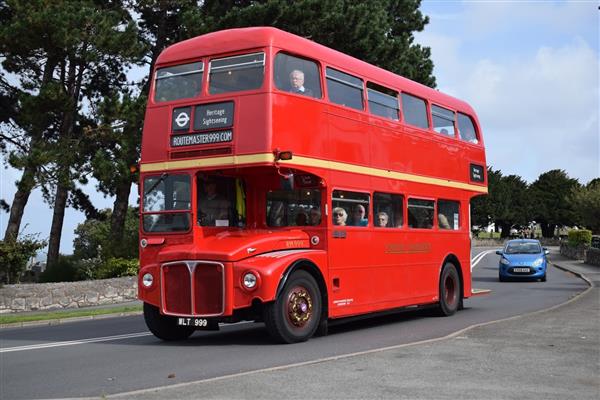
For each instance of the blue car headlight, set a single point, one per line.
(504, 261)
(537, 262)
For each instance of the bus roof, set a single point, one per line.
(233, 40)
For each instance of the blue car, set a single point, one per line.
(522, 259)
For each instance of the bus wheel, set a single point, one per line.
(164, 327)
(450, 296)
(295, 315)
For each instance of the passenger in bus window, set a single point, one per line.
(297, 83)
(382, 219)
(339, 216)
(443, 222)
(213, 208)
(301, 219)
(358, 216)
(315, 216)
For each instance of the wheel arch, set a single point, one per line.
(453, 259)
(310, 267)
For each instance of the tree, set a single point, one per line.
(551, 194)
(586, 201)
(482, 212)
(513, 204)
(120, 114)
(507, 203)
(64, 51)
(113, 163)
(93, 238)
(379, 32)
(14, 255)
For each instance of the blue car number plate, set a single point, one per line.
(521, 269)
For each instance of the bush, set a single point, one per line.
(488, 235)
(117, 267)
(580, 236)
(14, 254)
(64, 270)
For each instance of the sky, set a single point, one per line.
(529, 68)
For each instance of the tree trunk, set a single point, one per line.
(547, 229)
(17, 208)
(119, 214)
(73, 81)
(60, 203)
(27, 182)
(505, 230)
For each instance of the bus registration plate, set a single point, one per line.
(198, 323)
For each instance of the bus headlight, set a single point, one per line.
(250, 280)
(147, 280)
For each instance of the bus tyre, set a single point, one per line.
(295, 315)
(450, 293)
(164, 327)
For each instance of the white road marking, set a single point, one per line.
(90, 340)
(475, 260)
(73, 342)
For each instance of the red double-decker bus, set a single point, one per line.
(286, 182)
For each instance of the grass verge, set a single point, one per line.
(52, 315)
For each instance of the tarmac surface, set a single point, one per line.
(548, 354)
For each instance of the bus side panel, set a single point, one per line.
(303, 130)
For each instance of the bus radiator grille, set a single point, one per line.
(208, 289)
(177, 289)
(193, 288)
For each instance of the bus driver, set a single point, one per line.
(213, 208)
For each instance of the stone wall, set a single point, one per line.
(50, 296)
(593, 257)
(575, 253)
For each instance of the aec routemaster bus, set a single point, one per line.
(286, 182)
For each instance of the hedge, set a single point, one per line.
(580, 236)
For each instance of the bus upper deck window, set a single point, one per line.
(288, 67)
(383, 101)
(345, 89)
(233, 74)
(443, 120)
(178, 82)
(466, 129)
(415, 111)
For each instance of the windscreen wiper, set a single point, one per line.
(162, 178)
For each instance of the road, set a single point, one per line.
(101, 357)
